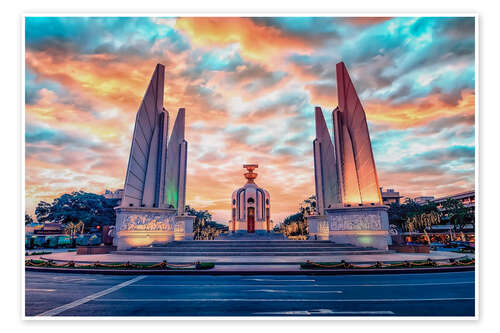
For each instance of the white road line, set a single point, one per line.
(326, 311)
(280, 280)
(304, 285)
(278, 300)
(298, 291)
(89, 298)
(33, 289)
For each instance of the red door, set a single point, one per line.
(251, 219)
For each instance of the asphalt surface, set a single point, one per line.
(433, 294)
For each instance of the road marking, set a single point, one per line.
(304, 285)
(326, 311)
(278, 300)
(280, 280)
(298, 291)
(89, 298)
(72, 279)
(33, 289)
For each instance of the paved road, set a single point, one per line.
(436, 294)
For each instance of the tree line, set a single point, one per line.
(451, 212)
(96, 210)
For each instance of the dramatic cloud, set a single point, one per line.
(249, 86)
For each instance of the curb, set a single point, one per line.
(245, 272)
(230, 263)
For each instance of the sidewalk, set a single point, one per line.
(244, 260)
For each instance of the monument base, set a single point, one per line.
(183, 227)
(364, 226)
(318, 227)
(142, 226)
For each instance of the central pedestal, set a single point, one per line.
(365, 226)
(318, 227)
(150, 226)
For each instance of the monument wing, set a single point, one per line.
(143, 145)
(327, 184)
(356, 131)
(175, 181)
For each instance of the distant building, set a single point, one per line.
(118, 194)
(49, 229)
(390, 196)
(31, 227)
(468, 199)
(423, 200)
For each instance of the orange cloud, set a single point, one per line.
(256, 41)
(420, 112)
(363, 21)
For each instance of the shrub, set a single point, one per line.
(94, 240)
(38, 241)
(51, 241)
(82, 240)
(205, 265)
(63, 241)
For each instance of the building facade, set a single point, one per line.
(468, 199)
(390, 196)
(423, 200)
(116, 195)
(250, 206)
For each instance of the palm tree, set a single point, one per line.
(457, 213)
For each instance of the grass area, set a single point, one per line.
(379, 265)
(37, 253)
(122, 266)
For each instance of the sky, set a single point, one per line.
(249, 86)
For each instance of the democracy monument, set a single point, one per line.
(152, 207)
(349, 204)
(349, 201)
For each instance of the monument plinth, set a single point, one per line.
(152, 208)
(347, 189)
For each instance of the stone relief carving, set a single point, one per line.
(323, 227)
(179, 227)
(355, 222)
(147, 222)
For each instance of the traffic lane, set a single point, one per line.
(272, 295)
(246, 307)
(298, 280)
(454, 285)
(399, 278)
(45, 291)
(236, 291)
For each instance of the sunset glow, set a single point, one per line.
(249, 86)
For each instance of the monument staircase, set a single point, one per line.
(250, 248)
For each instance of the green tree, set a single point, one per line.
(204, 227)
(43, 212)
(90, 208)
(308, 206)
(399, 213)
(296, 224)
(457, 214)
(27, 219)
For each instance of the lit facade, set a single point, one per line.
(390, 196)
(468, 199)
(423, 200)
(250, 206)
